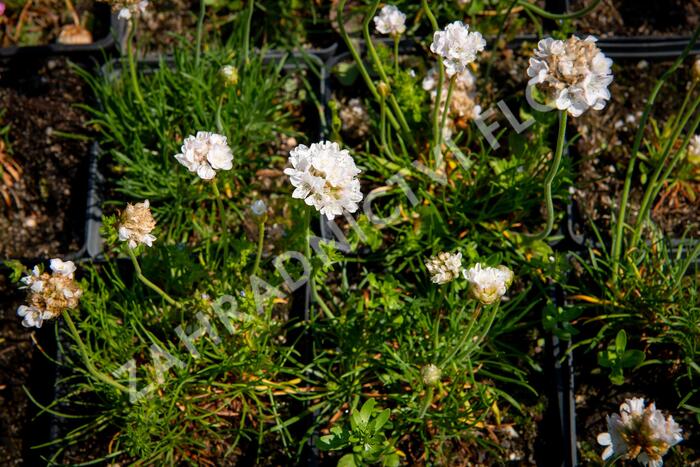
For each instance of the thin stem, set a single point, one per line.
(427, 401)
(312, 284)
(437, 132)
(222, 215)
(396, 54)
(561, 137)
(261, 239)
(74, 14)
(86, 357)
(130, 53)
(382, 74)
(621, 217)
(246, 32)
(558, 16)
(147, 282)
(200, 31)
(656, 181)
(445, 111)
(465, 336)
(358, 60)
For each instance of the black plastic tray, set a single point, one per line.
(108, 25)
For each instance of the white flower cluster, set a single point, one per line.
(640, 433)
(354, 118)
(488, 284)
(128, 8)
(463, 107)
(205, 154)
(693, 151)
(136, 224)
(445, 267)
(325, 177)
(50, 294)
(390, 21)
(574, 74)
(457, 46)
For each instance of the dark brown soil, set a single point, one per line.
(606, 138)
(43, 211)
(162, 27)
(638, 17)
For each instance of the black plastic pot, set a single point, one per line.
(632, 47)
(103, 41)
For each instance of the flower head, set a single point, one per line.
(463, 107)
(390, 21)
(205, 154)
(488, 284)
(444, 267)
(325, 177)
(431, 374)
(229, 75)
(354, 118)
(640, 433)
(49, 294)
(259, 208)
(136, 225)
(457, 46)
(693, 151)
(574, 74)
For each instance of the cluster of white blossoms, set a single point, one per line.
(325, 177)
(205, 154)
(488, 284)
(640, 433)
(128, 8)
(457, 46)
(444, 267)
(136, 224)
(573, 74)
(463, 107)
(390, 21)
(354, 119)
(693, 151)
(49, 294)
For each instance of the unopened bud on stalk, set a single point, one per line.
(431, 374)
(259, 208)
(695, 71)
(229, 75)
(383, 89)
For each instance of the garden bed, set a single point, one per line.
(47, 157)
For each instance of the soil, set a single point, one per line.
(42, 209)
(43, 21)
(21, 365)
(638, 17)
(161, 28)
(603, 150)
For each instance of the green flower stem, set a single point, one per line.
(556, 16)
(466, 336)
(550, 178)
(200, 31)
(261, 239)
(427, 401)
(437, 132)
(147, 282)
(382, 74)
(220, 204)
(445, 111)
(358, 60)
(246, 33)
(621, 217)
(397, 38)
(312, 284)
(130, 54)
(657, 180)
(86, 356)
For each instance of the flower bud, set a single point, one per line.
(383, 89)
(431, 374)
(259, 208)
(695, 71)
